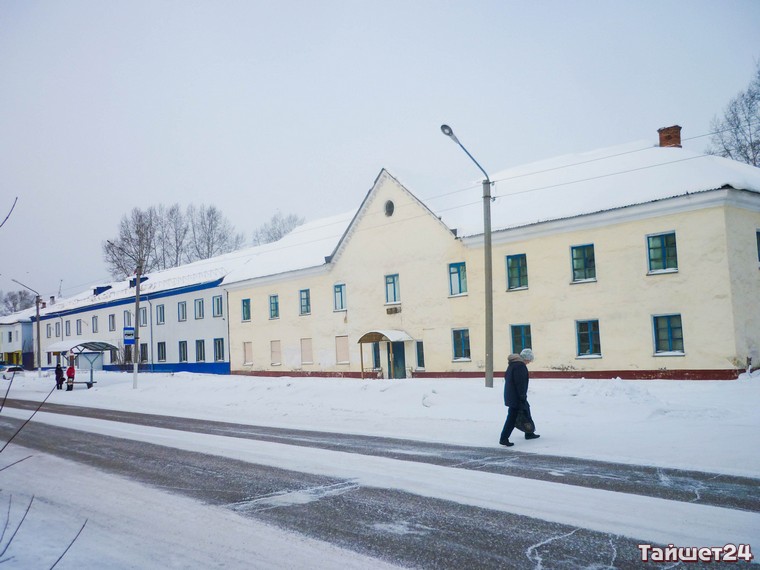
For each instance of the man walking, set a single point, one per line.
(516, 394)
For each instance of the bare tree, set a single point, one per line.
(737, 132)
(135, 244)
(14, 301)
(276, 228)
(211, 233)
(173, 230)
(9, 212)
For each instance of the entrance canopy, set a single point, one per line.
(388, 335)
(79, 346)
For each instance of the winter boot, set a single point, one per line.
(505, 443)
(532, 436)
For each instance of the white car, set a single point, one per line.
(10, 370)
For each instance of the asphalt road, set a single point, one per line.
(392, 525)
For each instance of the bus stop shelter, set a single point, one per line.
(84, 348)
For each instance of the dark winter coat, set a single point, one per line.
(516, 383)
(59, 373)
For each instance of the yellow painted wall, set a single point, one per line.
(715, 290)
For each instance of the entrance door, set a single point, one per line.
(398, 365)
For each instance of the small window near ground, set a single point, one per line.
(341, 349)
(589, 340)
(307, 357)
(461, 344)
(668, 335)
(275, 353)
(248, 353)
(218, 350)
(520, 338)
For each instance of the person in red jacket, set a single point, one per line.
(70, 373)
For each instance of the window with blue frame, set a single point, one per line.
(520, 338)
(95, 324)
(245, 310)
(200, 350)
(589, 340)
(461, 342)
(218, 349)
(182, 311)
(217, 306)
(199, 308)
(668, 334)
(457, 278)
(584, 264)
(420, 355)
(274, 306)
(68, 328)
(305, 301)
(662, 252)
(161, 351)
(392, 293)
(517, 271)
(143, 316)
(79, 326)
(339, 297)
(160, 315)
(111, 323)
(183, 351)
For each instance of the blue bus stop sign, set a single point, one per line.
(129, 336)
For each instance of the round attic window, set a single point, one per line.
(389, 208)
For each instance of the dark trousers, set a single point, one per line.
(59, 383)
(509, 424)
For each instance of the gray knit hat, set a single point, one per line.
(527, 355)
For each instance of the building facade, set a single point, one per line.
(646, 269)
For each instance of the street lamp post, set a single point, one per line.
(136, 353)
(447, 130)
(37, 300)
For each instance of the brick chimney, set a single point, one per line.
(670, 136)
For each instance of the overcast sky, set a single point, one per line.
(260, 106)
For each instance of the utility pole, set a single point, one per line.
(136, 353)
(37, 301)
(488, 273)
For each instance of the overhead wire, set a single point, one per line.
(246, 251)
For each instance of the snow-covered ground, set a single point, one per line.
(710, 426)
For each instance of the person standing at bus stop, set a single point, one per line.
(70, 373)
(58, 376)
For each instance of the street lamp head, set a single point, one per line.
(449, 132)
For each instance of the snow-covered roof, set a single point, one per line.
(562, 187)
(306, 246)
(23, 316)
(585, 183)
